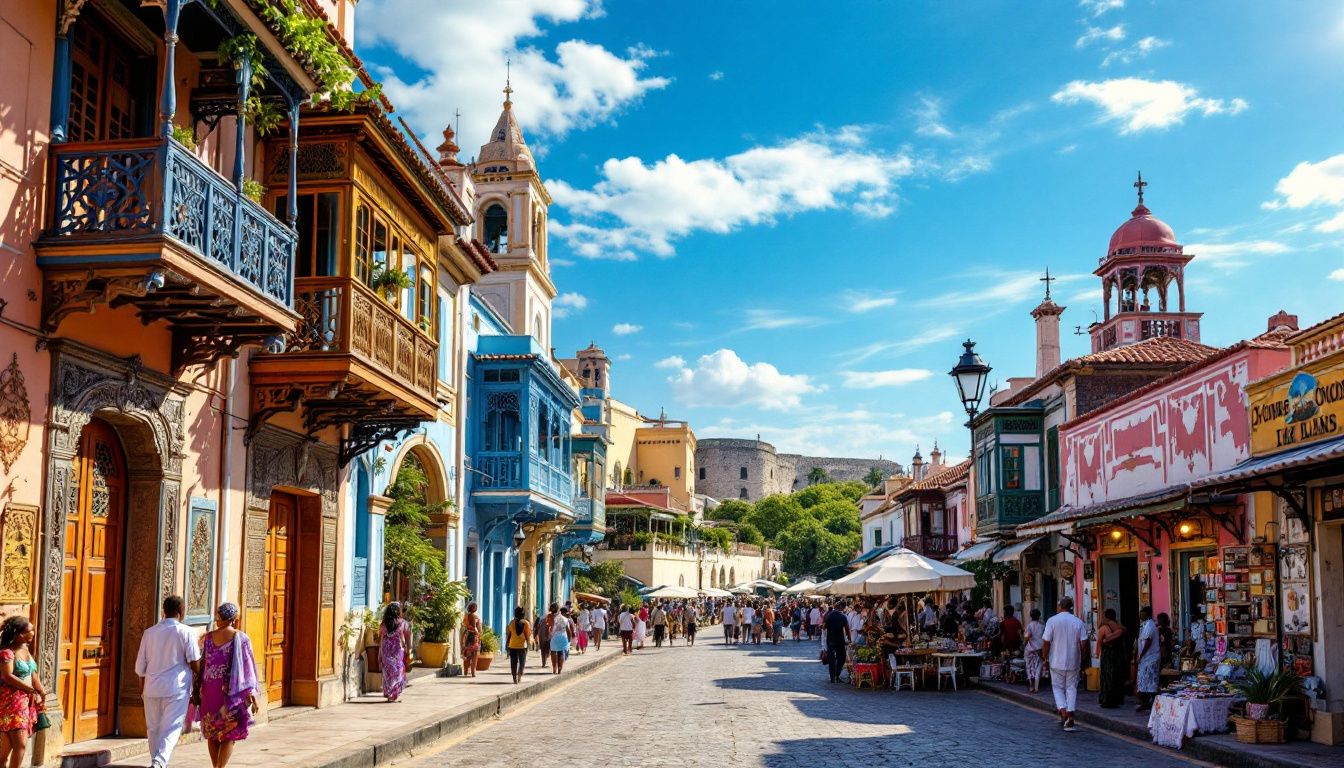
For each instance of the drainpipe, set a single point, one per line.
(226, 474)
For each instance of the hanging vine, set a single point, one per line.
(305, 38)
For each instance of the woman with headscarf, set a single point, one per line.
(226, 693)
(394, 651)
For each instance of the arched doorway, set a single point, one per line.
(90, 619)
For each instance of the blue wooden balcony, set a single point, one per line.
(146, 222)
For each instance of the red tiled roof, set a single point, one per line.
(1162, 350)
(479, 255)
(1312, 329)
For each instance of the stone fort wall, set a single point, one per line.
(721, 462)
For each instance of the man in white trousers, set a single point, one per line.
(1066, 654)
(169, 666)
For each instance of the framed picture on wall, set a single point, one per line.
(1088, 571)
(1255, 578)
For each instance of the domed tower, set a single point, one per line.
(1140, 266)
(594, 369)
(511, 211)
(917, 466)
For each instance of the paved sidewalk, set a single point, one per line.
(1222, 749)
(369, 731)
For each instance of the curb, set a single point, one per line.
(382, 750)
(1199, 749)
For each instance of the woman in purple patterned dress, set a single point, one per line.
(228, 683)
(394, 638)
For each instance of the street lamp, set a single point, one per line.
(518, 537)
(970, 373)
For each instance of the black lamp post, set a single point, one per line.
(970, 373)
(519, 537)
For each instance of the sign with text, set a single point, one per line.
(1298, 407)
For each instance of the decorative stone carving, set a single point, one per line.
(328, 563)
(16, 557)
(15, 414)
(171, 511)
(200, 597)
(254, 592)
(283, 458)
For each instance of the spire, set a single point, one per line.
(1142, 210)
(448, 149)
(1048, 280)
(506, 143)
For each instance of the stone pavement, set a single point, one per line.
(1222, 749)
(370, 731)
(771, 707)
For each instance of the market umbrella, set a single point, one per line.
(900, 572)
(800, 587)
(821, 588)
(671, 592)
(741, 589)
(770, 585)
(713, 592)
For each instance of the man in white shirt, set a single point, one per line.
(928, 619)
(814, 622)
(169, 666)
(626, 622)
(729, 623)
(598, 617)
(748, 616)
(1065, 651)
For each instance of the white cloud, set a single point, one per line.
(862, 301)
(675, 361)
(1098, 34)
(772, 319)
(894, 378)
(1098, 7)
(919, 340)
(930, 119)
(623, 356)
(461, 48)
(723, 380)
(1314, 184)
(641, 207)
(625, 329)
(567, 304)
(715, 75)
(1005, 287)
(1140, 49)
(1234, 255)
(1338, 274)
(1140, 105)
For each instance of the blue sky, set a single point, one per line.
(782, 218)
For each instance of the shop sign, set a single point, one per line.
(1300, 408)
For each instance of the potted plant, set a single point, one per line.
(489, 647)
(389, 282)
(1264, 693)
(435, 611)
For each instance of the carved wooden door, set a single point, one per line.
(281, 536)
(90, 624)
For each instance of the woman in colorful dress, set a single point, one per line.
(21, 695)
(642, 626)
(471, 640)
(1035, 642)
(226, 696)
(562, 632)
(394, 639)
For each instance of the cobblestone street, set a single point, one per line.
(772, 707)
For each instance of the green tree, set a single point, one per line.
(773, 514)
(817, 494)
(750, 534)
(853, 490)
(873, 478)
(986, 573)
(817, 476)
(604, 578)
(809, 548)
(434, 604)
(732, 509)
(718, 537)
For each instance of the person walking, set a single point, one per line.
(598, 619)
(562, 632)
(225, 696)
(168, 663)
(1149, 653)
(1035, 641)
(729, 623)
(837, 637)
(1066, 655)
(394, 651)
(813, 622)
(21, 695)
(584, 621)
(471, 640)
(641, 626)
(516, 635)
(1114, 669)
(748, 621)
(659, 618)
(626, 624)
(542, 631)
(692, 617)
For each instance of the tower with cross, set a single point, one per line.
(1047, 315)
(1142, 266)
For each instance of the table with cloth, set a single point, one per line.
(1176, 718)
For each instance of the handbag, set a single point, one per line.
(825, 658)
(43, 722)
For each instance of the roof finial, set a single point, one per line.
(1048, 280)
(1139, 185)
(508, 83)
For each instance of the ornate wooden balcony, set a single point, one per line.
(934, 545)
(144, 222)
(353, 359)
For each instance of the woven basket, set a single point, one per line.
(1260, 731)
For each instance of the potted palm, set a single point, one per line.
(435, 611)
(389, 282)
(489, 647)
(1264, 692)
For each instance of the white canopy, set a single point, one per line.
(976, 551)
(767, 584)
(713, 592)
(741, 589)
(800, 587)
(901, 572)
(1013, 552)
(672, 592)
(821, 588)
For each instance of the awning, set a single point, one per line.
(1316, 453)
(871, 555)
(975, 552)
(1068, 518)
(1012, 552)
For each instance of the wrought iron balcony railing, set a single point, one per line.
(142, 189)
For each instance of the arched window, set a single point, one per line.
(616, 476)
(743, 494)
(496, 224)
(536, 330)
(681, 580)
(501, 422)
